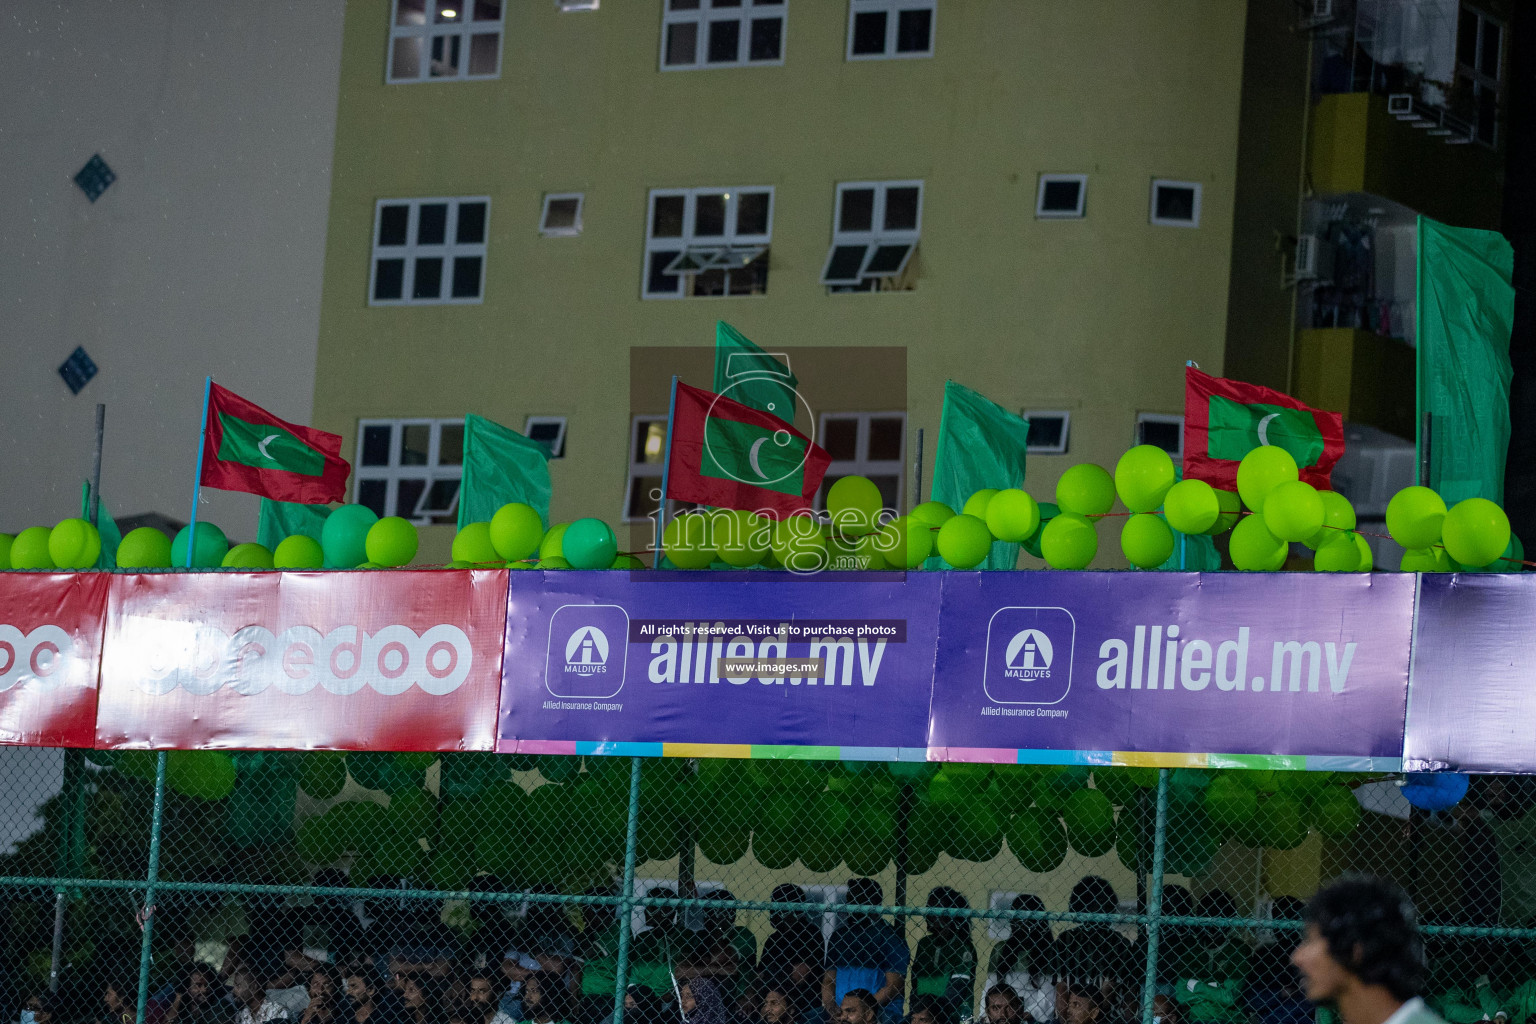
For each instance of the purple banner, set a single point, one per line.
(1221, 663)
(1472, 701)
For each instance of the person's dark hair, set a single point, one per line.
(1178, 901)
(660, 917)
(943, 1011)
(486, 975)
(1029, 943)
(1008, 992)
(865, 892)
(552, 1001)
(1217, 903)
(1093, 895)
(864, 996)
(1372, 930)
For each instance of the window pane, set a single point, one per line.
(411, 12)
(389, 279)
(641, 502)
(432, 224)
(840, 437)
(885, 438)
(658, 281)
(724, 3)
(441, 495)
(371, 493)
(407, 494)
(1046, 431)
(869, 32)
(667, 216)
(768, 3)
(415, 444)
(650, 440)
(1488, 58)
(560, 214)
(450, 444)
(487, 10)
(767, 33)
(1060, 196)
(445, 56)
(682, 42)
(752, 213)
(890, 490)
(887, 260)
(1466, 39)
(483, 49)
(1175, 203)
(466, 277)
(751, 279)
(1487, 113)
(1164, 435)
(857, 212)
(709, 216)
(405, 59)
(845, 263)
(709, 283)
(471, 227)
(392, 224)
(429, 278)
(683, 5)
(913, 31)
(376, 445)
(724, 41)
(901, 208)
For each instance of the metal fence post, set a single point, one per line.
(626, 908)
(1155, 896)
(152, 876)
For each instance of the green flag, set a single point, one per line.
(105, 525)
(281, 519)
(501, 466)
(745, 373)
(263, 446)
(981, 444)
(1464, 317)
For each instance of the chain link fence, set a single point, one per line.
(329, 888)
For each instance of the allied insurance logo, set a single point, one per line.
(588, 651)
(1029, 655)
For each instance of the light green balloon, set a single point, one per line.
(1012, 515)
(74, 544)
(473, 544)
(1191, 506)
(392, 541)
(1427, 560)
(1338, 515)
(1415, 516)
(1146, 540)
(799, 544)
(1143, 477)
(5, 549)
(30, 550)
(857, 554)
(934, 513)
(144, 548)
(248, 556)
(964, 541)
(1086, 489)
(1341, 554)
(208, 550)
(344, 537)
(1476, 531)
(740, 537)
(516, 530)
(295, 552)
(1294, 511)
(854, 502)
(1254, 547)
(976, 504)
(1069, 541)
(686, 542)
(553, 562)
(905, 542)
(1261, 471)
(1231, 511)
(1048, 511)
(1509, 561)
(620, 562)
(589, 544)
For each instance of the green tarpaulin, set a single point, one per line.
(1465, 313)
(981, 444)
(501, 466)
(111, 536)
(280, 519)
(745, 373)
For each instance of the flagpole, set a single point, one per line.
(1183, 537)
(666, 467)
(197, 482)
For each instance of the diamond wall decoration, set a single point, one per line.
(77, 370)
(95, 177)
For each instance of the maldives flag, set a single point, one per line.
(1225, 420)
(730, 455)
(246, 448)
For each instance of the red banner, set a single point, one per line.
(374, 660)
(50, 655)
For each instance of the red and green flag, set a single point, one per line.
(1226, 419)
(246, 448)
(729, 455)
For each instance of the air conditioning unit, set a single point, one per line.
(1400, 105)
(1314, 259)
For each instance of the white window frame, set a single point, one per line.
(1479, 79)
(578, 5)
(450, 250)
(1041, 213)
(561, 232)
(874, 239)
(641, 470)
(394, 472)
(464, 29)
(1158, 183)
(861, 464)
(892, 9)
(557, 448)
(704, 252)
(704, 15)
(1161, 418)
(1066, 431)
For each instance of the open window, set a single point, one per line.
(1163, 430)
(561, 217)
(708, 242)
(875, 230)
(1176, 203)
(1048, 431)
(1061, 196)
(410, 468)
(548, 431)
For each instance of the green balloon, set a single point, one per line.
(686, 542)
(1086, 489)
(1341, 554)
(1146, 540)
(1133, 839)
(1338, 516)
(6, 540)
(1475, 531)
(905, 542)
(1231, 807)
(1143, 477)
(295, 552)
(204, 774)
(1294, 511)
(473, 544)
(589, 544)
(1253, 547)
(551, 544)
(323, 774)
(1261, 471)
(1427, 560)
(516, 530)
(1117, 786)
(344, 537)
(391, 541)
(619, 562)
(1334, 812)
(1509, 561)
(857, 554)
(208, 550)
(1048, 511)
(1038, 839)
(976, 504)
(1090, 821)
(1280, 822)
(1192, 506)
(1415, 517)
(1231, 512)
(552, 562)
(740, 537)
(1069, 541)
(247, 556)
(799, 544)
(1012, 515)
(932, 512)
(30, 549)
(964, 541)
(74, 544)
(854, 503)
